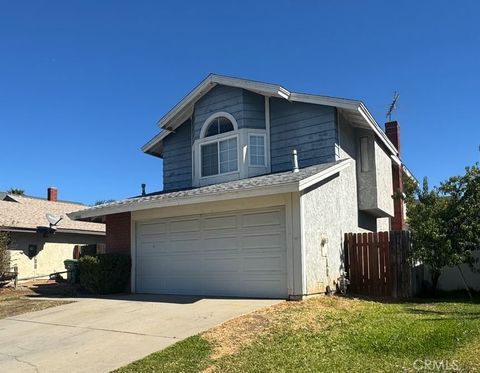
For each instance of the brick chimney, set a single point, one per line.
(392, 130)
(52, 194)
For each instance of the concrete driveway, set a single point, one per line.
(98, 335)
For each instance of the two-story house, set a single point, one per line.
(236, 216)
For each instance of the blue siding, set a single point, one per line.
(310, 129)
(253, 110)
(177, 158)
(220, 98)
(246, 107)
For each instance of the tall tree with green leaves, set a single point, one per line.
(445, 222)
(17, 191)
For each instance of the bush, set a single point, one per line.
(105, 273)
(4, 253)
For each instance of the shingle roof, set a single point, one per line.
(253, 183)
(29, 212)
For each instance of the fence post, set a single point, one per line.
(393, 264)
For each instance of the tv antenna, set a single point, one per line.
(392, 106)
(53, 220)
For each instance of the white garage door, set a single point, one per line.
(232, 254)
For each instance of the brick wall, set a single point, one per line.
(118, 233)
(392, 130)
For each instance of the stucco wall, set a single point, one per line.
(329, 210)
(373, 186)
(52, 251)
(384, 180)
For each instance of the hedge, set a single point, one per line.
(105, 273)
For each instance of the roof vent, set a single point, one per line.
(143, 189)
(294, 161)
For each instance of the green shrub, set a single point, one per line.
(105, 273)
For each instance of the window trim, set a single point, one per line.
(209, 120)
(217, 139)
(259, 134)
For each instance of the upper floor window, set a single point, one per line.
(219, 155)
(256, 145)
(219, 125)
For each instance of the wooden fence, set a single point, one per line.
(377, 264)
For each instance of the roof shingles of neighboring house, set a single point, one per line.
(23, 212)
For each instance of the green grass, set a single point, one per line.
(189, 355)
(333, 335)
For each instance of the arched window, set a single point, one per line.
(220, 154)
(219, 125)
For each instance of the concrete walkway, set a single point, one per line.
(98, 335)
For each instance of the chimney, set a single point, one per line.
(392, 130)
(52, 194)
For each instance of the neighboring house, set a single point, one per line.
(34, 249)
(235, 218)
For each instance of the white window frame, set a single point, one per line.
(258, 134)
(209, 120)
(217, 139)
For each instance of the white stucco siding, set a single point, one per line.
(383, 170)
(329, 211)
(51, 252)
(373, 188)
(383, 224)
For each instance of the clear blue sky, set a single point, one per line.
(82, 83)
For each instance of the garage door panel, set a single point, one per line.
(231, 254)
(183, 226)
(227, 264)
(220, 243)
(154, 228)
(263, 263)
(262, 219)
(220, 222)
(263, 240)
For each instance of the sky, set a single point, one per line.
(83, 83)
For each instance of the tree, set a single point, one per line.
(17, 191)
(445, 222)
(4, 254)
(103, 201)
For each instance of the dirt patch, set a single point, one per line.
(231, 336)
(40, 288)
(18, 305)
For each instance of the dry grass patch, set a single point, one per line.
(231, 336)
(18, 305)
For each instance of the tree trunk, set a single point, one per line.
(435, 277)
(465, 282)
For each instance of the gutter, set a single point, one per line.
(68, 231)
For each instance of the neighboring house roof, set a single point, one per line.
(23, 213)
(282, 182)
(354, 110)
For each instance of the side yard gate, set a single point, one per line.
(377, 264)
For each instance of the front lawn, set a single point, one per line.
(331, 334)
